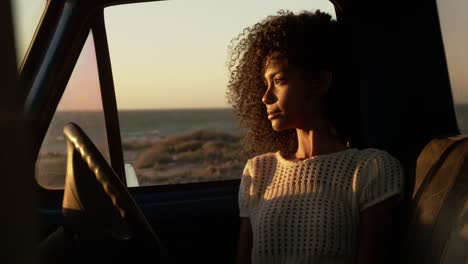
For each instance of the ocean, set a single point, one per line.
(140, 125)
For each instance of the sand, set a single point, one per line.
(197, 156)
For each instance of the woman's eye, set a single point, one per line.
(278, 81)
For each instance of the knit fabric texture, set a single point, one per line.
(308, 211)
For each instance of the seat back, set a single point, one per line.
(438, 229)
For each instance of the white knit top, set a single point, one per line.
(308, 211)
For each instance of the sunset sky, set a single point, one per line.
(172, 54)
(181, 48)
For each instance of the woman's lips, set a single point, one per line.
(273, 114)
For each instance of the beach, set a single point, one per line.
(207, 148)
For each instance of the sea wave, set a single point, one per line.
(141, 133)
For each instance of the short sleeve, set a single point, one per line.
(244, 192)
(381, 178)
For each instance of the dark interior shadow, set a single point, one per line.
(438, 227)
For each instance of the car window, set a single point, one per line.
(169, 66)
(81, 103)
(453, 20)
(26, 17)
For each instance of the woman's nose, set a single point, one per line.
(268, 97)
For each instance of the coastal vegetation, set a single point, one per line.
(197, 156)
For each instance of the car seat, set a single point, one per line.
(438, 226)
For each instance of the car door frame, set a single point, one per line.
(16, 199)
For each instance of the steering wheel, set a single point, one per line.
(96, 204)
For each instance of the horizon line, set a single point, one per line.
(147, 109)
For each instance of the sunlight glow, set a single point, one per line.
(83, 90)
(173, 54)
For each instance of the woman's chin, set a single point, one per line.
(278, 126)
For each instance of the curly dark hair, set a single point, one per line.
(308, 40)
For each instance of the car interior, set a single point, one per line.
(398, 76)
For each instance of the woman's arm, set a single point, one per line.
(376, 229)
(244, 245)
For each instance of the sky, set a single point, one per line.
(173, 54)
(179, 48)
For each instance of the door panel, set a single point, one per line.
(198, 225)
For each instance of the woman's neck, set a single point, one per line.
(318, 141)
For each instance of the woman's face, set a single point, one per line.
(292, 99)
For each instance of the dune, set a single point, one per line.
(180, 158)
(50, 170)
(191, 157)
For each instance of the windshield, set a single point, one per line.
(26, 17)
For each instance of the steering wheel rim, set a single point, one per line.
(95, 199)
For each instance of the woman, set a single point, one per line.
(310, 197)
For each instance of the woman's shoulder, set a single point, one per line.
(361, 155)
(261, 162)
(374, 158)
(379, 160)
(380, 177)
(263, 158)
